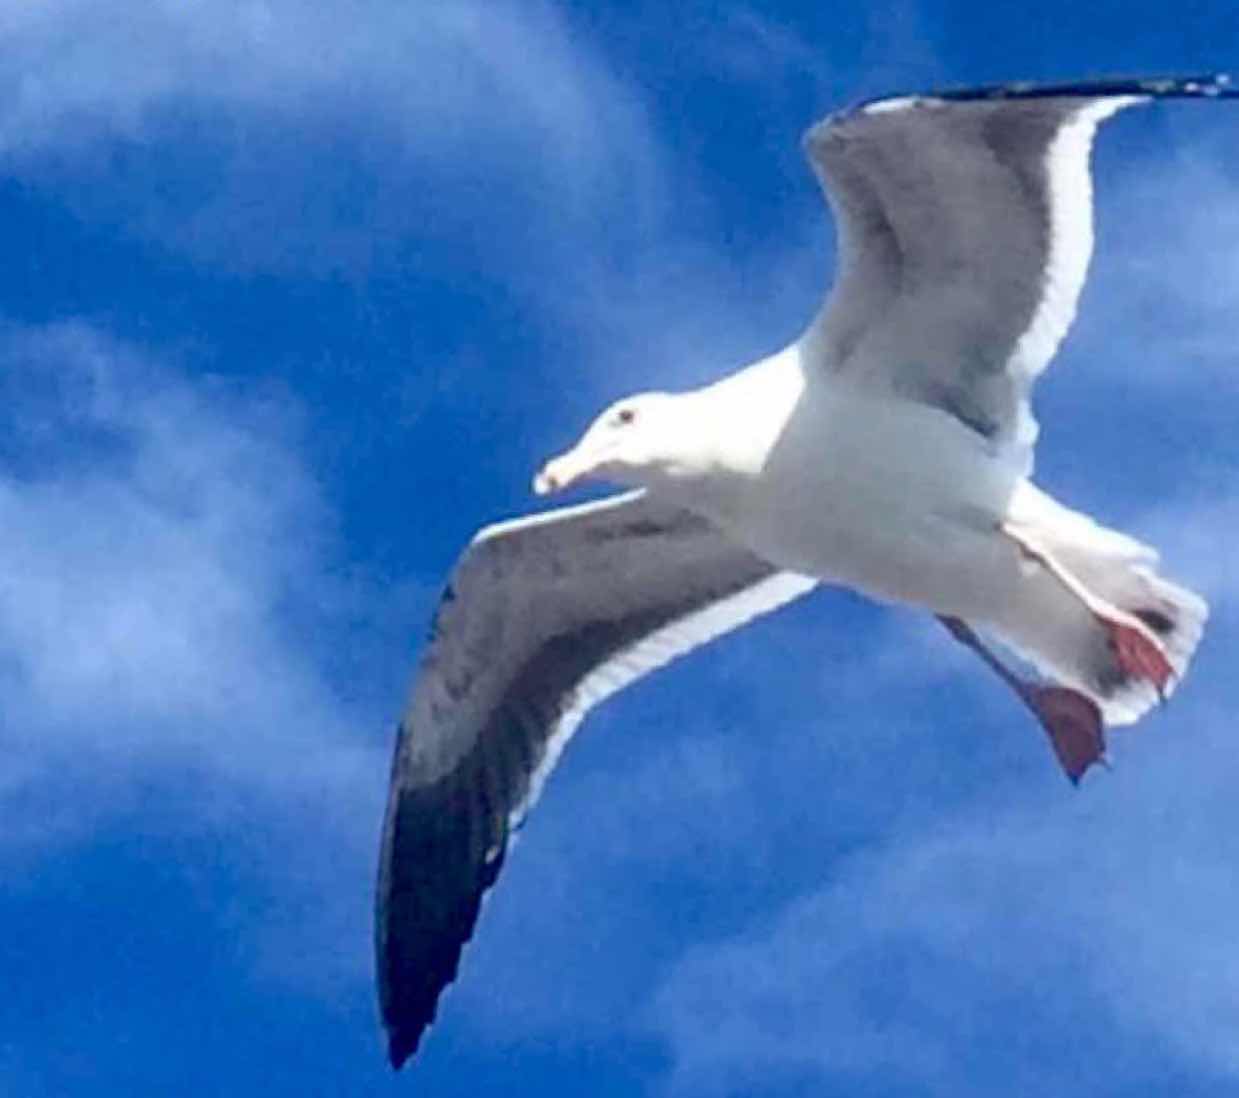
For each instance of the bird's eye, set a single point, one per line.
(625, 416)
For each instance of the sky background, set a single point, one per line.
(295, 296)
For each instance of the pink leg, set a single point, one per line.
(1071, 719)
(1138, 651)
(1073, 723)
(1139, 654)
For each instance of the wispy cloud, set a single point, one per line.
(1166, 276)
(163, 545)
(1019, 941)
(78, 71)
(175, 635)
(311, 135)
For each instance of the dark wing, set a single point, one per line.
(544, 618)
(965, 232)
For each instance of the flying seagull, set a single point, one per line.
(888, 449)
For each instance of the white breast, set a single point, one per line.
(872, 493)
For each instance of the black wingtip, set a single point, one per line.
(1210, 86)
(442, 849)
(1218, 85)
(401, 1046)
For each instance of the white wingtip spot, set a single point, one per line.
(886, 106)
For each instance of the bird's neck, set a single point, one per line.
(735, 424)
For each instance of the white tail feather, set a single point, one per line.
(1119, 571)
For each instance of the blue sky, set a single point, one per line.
(296, 296)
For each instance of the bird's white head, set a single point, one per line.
(638, 441)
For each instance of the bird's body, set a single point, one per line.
(888, 450)
(850, 489)
(901, 501)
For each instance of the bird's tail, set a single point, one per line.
(1120, 572)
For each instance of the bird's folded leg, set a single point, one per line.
(1073, 722)
(1138, 651)
(1071, 719)
(1140, 654)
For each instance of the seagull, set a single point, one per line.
(888, 450)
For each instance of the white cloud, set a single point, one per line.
(1019, 941)
(308, 135)
(77, 66)
(172, 614)
(1158, 308)
(164, 548)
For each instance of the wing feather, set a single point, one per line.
(965, 232)
(543, 619)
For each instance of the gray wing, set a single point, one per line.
(965, 232)
(544, 618)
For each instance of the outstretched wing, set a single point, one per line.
(965, 231)
(543, 619)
